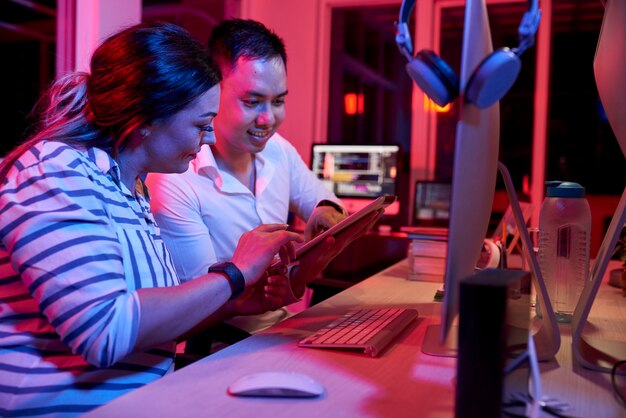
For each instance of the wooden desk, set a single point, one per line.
(402, 382)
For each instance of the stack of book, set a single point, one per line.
(427, 253)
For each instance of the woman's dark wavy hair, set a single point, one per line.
(143, 73)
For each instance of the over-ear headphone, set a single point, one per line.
(489, 82)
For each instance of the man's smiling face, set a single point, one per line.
(252, 105)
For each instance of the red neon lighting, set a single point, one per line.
(354, 103)
(349, 103)
(431, 106)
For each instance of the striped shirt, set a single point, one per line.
(75, 245)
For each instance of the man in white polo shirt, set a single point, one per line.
(251, 176)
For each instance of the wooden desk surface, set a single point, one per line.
(401, 382)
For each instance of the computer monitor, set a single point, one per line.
(474, 173)
(358, 174)
(432, 203)
(473, 185)
(609, 66)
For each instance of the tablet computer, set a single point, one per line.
(380, 203)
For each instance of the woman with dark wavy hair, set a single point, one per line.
(90, 304)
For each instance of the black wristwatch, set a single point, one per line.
(234, 276)
(332, 204)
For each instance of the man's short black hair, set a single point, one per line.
(235, 38)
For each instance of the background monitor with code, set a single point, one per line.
(358, 174)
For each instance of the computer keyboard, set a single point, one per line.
(368, 329)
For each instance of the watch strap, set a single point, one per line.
(332, 204)
(234, 276)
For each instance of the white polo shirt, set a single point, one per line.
(203, 212)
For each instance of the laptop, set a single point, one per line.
(431, 204)
(431, 210)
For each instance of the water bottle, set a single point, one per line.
(564, 234)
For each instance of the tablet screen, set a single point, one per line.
(380, 203)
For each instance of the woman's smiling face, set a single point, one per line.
(173, 142)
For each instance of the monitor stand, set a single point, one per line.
(433, 346)
(598, 354)
(546, 336)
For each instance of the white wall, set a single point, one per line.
(82, 25)
(97, 19)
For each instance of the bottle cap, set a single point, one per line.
(564, 189)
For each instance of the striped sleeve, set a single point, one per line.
(54, 224)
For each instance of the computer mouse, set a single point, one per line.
(276, 384)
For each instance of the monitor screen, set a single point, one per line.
(357, 174)
(432, 203)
